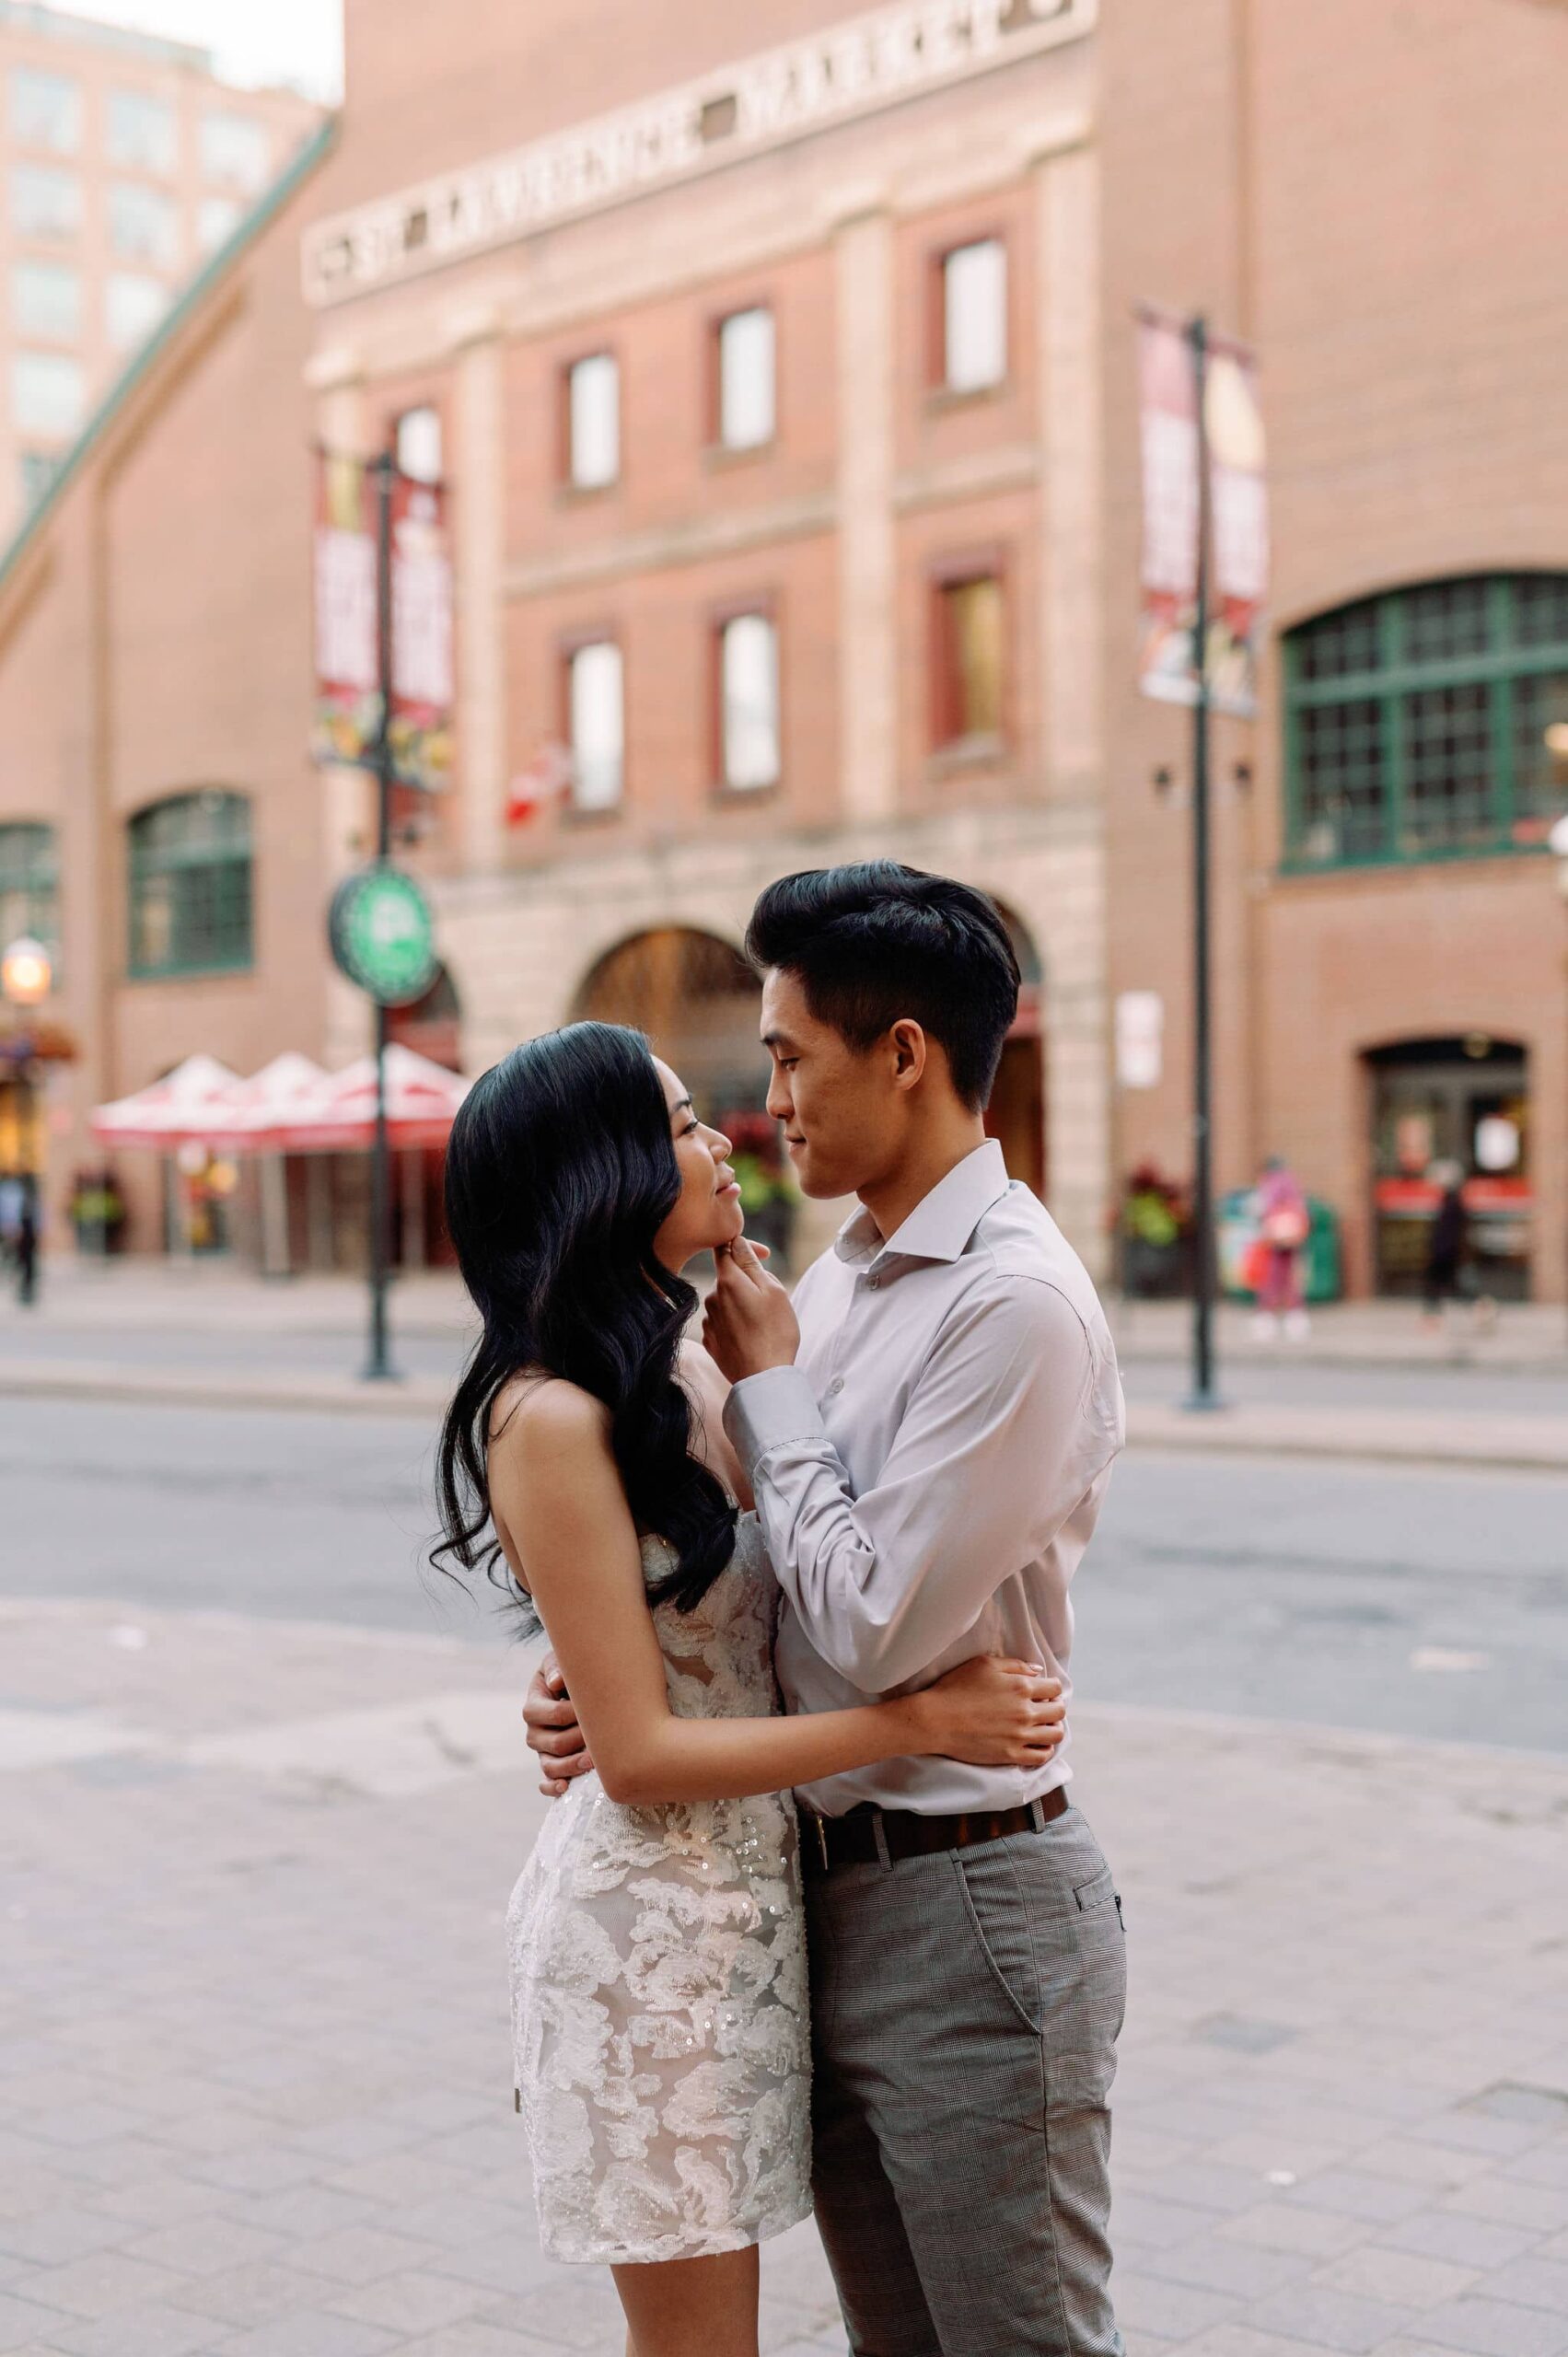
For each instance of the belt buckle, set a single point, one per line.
(820, 1823)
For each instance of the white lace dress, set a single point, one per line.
(658, 1979)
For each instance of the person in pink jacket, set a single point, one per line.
(1283, 1225)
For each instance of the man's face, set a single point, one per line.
(844, 1119)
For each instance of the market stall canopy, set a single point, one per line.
(264, 1106)
(291, 1106)
(194, 1100)
(422, 1101)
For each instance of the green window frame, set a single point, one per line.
(189, 886)
(29, 886)
(1416, 724)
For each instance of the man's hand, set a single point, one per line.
(749, 1324)
(553, 1732)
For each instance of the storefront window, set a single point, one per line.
(190, 877)
(29, 886)
(1429, 724)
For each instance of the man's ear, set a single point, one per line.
(909, 1052)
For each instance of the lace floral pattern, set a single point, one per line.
(659, 1981)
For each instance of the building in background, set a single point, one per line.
(125, 163)
(159, 819)
(765, 354)
(784, 382)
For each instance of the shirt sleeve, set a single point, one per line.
(1006, 1429)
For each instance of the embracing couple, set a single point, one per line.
(896, 1996)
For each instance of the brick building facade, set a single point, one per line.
(890, 603)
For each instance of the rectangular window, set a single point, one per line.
(968, 673)
(216, 218)
(746, 380)
(45, 201)
(419, 445)
(974, 316)
(593, 422)
(44, 110)
(48, 393)
(235, 149)
(142, 131)
(595, 724)
(748, 703)
(1343, 780)
(144, 224)
(46, 300)
(133, 305)
(1447, 798)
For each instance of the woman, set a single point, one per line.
(656, 1935)
(1284, 1226)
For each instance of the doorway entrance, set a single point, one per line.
(697, 999)
(1464, 1100)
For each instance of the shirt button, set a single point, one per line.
(872, 1283)
(836, 1385)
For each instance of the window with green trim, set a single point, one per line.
(190, 885)
(29, 886)
(1428, 724)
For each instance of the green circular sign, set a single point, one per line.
(382, 934)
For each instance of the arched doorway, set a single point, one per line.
(1463, 1100)
(697, 999)
(1015, 1117)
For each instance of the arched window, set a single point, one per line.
(190, 885)
(1431, 723)
(30, 884)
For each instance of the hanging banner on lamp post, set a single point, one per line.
(1238, 507)
(348, 702)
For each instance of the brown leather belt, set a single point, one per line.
(829, 1842)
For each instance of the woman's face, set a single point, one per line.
(708, 1211)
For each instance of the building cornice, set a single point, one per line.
(862, 66)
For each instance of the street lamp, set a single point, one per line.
(25, 973)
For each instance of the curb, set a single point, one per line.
(1513, 1443)
(416, 1397)
(1388, 1437)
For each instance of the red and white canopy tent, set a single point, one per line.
(291, 1106)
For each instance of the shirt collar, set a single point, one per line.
(942, 1223)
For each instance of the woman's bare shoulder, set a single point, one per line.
(534, 1413)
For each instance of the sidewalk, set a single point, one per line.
(256, 2085)
(194, 1336)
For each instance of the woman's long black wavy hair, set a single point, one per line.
(560, 1171)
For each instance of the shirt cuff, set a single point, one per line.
(767, 1410)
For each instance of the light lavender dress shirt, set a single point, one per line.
(929, 1471)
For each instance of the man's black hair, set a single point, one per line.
(878, 942)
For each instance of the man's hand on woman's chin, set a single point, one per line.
(749, 1324)
(553, 1733)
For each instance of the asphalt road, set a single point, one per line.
(1432, 1601)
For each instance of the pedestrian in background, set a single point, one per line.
(1284, 1223)
(23, 1249)
(1450, 1268)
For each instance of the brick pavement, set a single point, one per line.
(253, 2046)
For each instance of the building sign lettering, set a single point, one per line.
(870, 62)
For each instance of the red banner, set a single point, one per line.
(1238, 515)
(348, 701)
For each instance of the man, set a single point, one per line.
(928, 1429)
